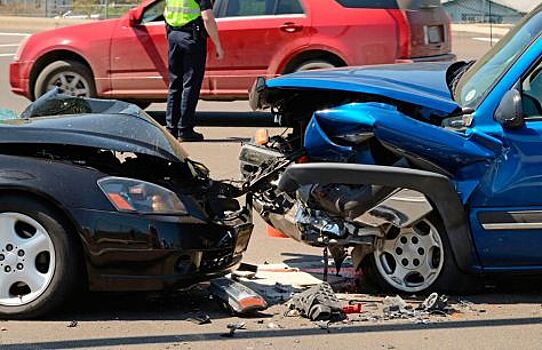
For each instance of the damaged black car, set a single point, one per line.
(96, 194)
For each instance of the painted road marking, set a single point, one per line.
(487, 39)
(14, 34)
(9, 45)
(7, 54)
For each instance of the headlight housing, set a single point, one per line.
(136, 196)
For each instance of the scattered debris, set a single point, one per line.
(232, 328)
(318, 303)
(3, 329)
(354, 308)
(200, 319)
(245, 270)
(396, 307)
(292, 313)
(272, 325)
(436, 304)
(236, 296)
(73, 324)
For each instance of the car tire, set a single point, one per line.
(407, 250)
(40, 251)
(72, 77)
(315, 64)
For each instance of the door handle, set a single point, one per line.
(290, 27)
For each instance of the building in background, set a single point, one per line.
(35, 7)
(485, 11)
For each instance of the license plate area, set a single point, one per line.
(434, 34)
(244, 232)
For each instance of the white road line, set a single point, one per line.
(487, 39)
(9, 45)
(14, 34)
(7, 54)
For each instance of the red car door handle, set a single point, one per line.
(290, 27)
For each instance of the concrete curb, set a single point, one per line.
(482, 28)
(35, 24)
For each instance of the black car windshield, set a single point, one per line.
(479, 78)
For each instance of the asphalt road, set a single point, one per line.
(500, 319)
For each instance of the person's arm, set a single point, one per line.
(212, 29)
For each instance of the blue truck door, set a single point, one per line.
(507, 223)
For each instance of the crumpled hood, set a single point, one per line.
(423, 84)
(103, 124)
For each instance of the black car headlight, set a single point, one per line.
(136, 196)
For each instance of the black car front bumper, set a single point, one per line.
(127, 252)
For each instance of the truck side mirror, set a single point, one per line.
(510, 111)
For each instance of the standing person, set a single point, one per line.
(188, 23)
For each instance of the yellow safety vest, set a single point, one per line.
(180, 12)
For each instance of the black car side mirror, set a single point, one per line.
(510, 111)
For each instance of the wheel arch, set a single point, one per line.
(438, 188)
(52, 56)
(291, 63)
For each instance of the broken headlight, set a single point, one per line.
(136, 196)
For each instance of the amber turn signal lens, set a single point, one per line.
(120, 202)
(261, 137)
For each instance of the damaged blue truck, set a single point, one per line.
(427, 174)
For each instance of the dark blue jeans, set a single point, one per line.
(186, 67)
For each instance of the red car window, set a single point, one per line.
(287, 7)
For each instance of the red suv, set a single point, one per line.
(125, 58)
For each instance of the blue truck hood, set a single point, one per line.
(422, 84)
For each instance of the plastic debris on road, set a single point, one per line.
(237, 297)
(318, 303)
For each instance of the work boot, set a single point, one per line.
(189, 136)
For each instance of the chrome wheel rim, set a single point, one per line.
(70, 83)
(410, 259)
(27, 259)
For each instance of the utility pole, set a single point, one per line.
(490, 25)
(106, 9)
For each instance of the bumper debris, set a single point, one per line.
(237, 297)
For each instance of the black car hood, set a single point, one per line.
(103, 124)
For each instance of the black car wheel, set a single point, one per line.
(71, 77)
(40, 262)
(416, 259)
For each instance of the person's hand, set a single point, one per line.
(219, 53)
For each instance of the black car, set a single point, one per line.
(97, 194)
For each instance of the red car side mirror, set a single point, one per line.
(134, 16)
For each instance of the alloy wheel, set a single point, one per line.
(27, 259)
(410, 259)
(70, 83)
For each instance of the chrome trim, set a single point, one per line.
(257, 17)
(513, 226)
